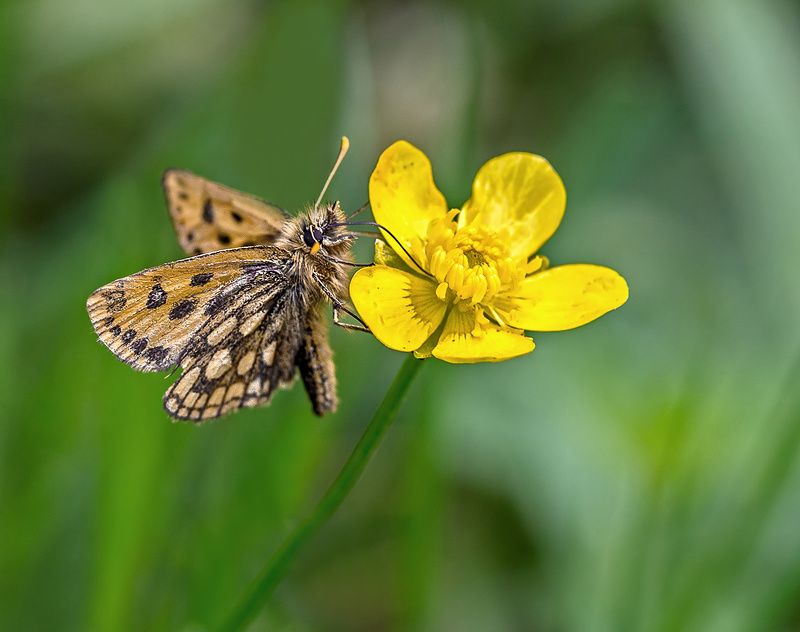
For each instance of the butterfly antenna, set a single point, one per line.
(360, 209)
(342, 153)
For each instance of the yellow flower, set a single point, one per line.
(466, 284)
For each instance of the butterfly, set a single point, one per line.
(241, 316)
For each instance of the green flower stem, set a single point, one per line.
(279, 565)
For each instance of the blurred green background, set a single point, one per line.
(640, 473)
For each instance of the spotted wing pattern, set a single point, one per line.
(231, 320)
(239, 357)
(208, 216)
(315, 361)
(147, 319)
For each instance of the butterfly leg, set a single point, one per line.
(338, 306)
(336, 320)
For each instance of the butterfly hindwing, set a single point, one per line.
(148, 319)
(208, 216)
(315, 362)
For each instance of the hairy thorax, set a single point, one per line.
(319, 248)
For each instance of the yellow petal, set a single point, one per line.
(520, 192)
(400, 308)
(385, 256)
(563, 297)
(462, 342)
(403, 196)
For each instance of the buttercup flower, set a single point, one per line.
(463, 285)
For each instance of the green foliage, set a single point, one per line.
(637, 474)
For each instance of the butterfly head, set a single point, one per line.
(321, 229)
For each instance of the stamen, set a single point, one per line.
(470, 265)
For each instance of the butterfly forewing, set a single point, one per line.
(147, 318)
(208, 216)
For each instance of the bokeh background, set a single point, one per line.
(640, 473)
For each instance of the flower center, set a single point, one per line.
(471, 263)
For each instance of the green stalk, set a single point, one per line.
(280, 563)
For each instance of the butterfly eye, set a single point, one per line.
(309, 238)
(317, 234)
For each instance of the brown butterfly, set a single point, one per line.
(242, 315)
